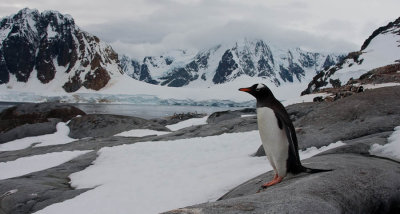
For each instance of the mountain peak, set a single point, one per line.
(50, 46)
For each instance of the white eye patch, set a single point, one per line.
(260, 86)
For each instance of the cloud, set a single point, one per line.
(150, 27)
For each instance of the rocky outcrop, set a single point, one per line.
(32, 113)
(105, 125)
(49, 44)
(29, 130)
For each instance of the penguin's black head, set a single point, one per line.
(258, 91)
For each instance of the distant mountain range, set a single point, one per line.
(224, 63)
(48, 48)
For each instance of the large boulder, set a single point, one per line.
(28, 130)
(106, 125)
(34, 113)
(359, 183)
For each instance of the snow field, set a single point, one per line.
(151, 177)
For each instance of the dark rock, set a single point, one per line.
(31, 113)
(177, 117)
(358, 184)
(105, 125)
(225, 67)
(37, 190)
(29, 130)
(217, 117)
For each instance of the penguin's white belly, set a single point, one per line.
(274, 140)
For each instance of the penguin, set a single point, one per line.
(277, 134)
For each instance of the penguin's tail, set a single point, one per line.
(310, 170)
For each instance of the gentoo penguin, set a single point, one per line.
(277, 134)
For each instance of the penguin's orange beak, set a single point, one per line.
(245, 89)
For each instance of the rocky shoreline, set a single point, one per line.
(360, 183)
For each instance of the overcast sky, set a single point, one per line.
(151, 27)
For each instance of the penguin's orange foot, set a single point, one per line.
(277, 179)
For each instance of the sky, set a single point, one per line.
(141, 28)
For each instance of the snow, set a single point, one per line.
(382, 85)
(59, 137)
(152, 177)
(140, 133)
(247, 115)
(383, 50)
(391, 149)
(26, 165)
(188, 123)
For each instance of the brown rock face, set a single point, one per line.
(97, 80)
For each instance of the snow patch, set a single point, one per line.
(391, 149)
(59, 137)
(26, 165)
(382, 85)
(188, 123)
(140, 133)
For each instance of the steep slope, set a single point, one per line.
(225, 63)
(48, 48)
(382, 48)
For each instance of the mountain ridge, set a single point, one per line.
(224, 63)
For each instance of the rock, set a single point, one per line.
(227, 126)
(359, 183)
(177, 117)
(29, 130)
(217, 117)
(105, 125)
(362, 114)
(31, 113)
(37, 190)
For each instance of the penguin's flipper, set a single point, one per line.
(293, 162)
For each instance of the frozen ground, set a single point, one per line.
(151, 177)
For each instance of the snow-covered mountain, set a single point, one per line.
(382, 48)
(48, 48)
(224, 63)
